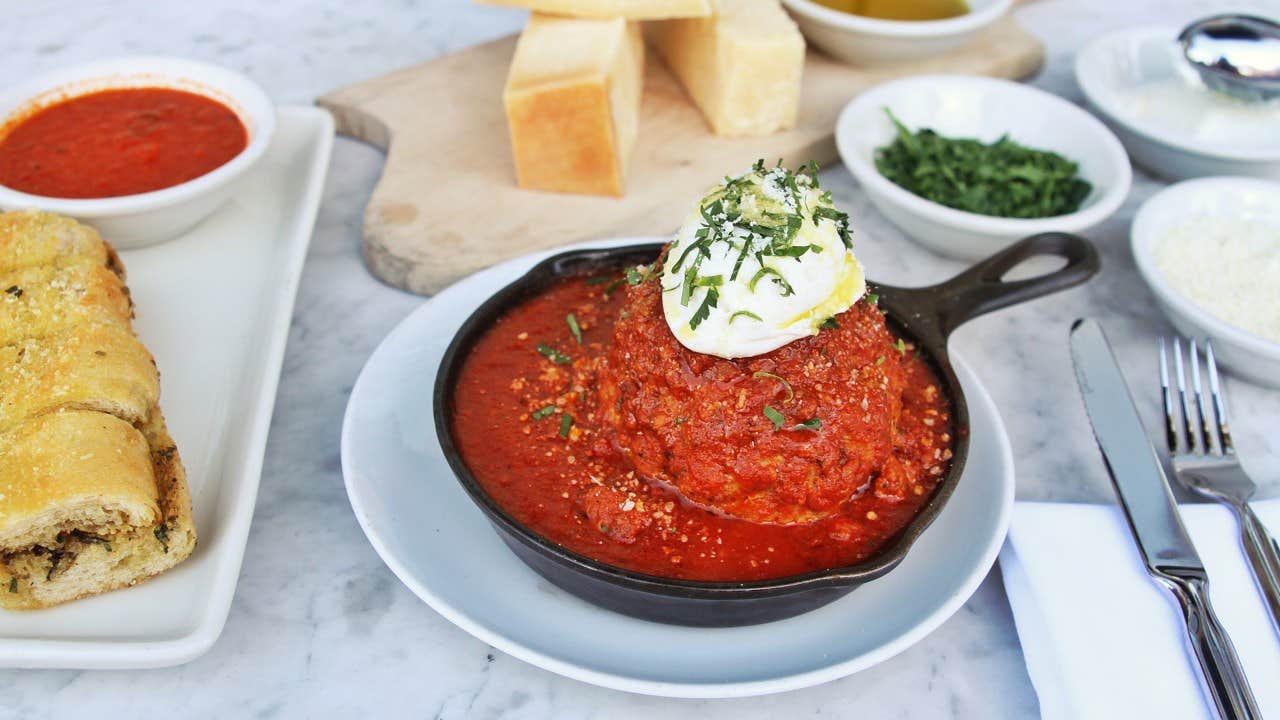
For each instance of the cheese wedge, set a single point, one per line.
(741, 67)
(573, 103)
(603, 9)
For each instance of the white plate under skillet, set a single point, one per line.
(214, 307)
(442, 547)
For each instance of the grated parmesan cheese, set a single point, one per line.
(1230, 267)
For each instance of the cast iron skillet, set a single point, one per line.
(926, 315)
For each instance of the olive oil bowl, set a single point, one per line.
(983, 109)
(869, 41)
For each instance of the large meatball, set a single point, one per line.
(709, 427)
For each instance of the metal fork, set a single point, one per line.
(1205, 462)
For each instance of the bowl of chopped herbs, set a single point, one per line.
(967, 165)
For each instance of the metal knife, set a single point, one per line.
(1148, 504)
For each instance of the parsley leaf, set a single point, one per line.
(812, 423)
(566, 422)
(543, 412)
(774, 416)
(572, 322)
(704, 310)
(554, 355)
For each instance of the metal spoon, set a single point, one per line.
(1235, 54)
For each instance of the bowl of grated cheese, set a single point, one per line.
(1209, 249)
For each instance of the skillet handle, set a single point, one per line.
(981, 289)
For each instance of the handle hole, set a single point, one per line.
(1033, 267)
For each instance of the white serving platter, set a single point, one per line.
(214, 307)
(427, 530)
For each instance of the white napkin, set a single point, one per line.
(1102, 639)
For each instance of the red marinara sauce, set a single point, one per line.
(118, 142)
(530, 425)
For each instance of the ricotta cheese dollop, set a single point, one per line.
(764, 259)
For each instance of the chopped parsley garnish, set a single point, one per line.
(785, 385)
(635, 276)
(162, 534)
(812, 423)
(631, 276)
(704, 310)
(747, 220)
(774, 416)
(901, 347)
(572, 322)
(13, 585)
(873, 299)
(566, 422)
(777, 278)
(598, 280)
(543, 412)
(880, 360)
(554, 355)
(830, 324)
(1001, 179)
(680, 420)
(745, 313)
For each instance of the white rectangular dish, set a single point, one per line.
(214, 307)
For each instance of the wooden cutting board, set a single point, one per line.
(447, 204)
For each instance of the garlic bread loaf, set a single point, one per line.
(93, 495)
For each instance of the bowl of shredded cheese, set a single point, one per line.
(1210, 251)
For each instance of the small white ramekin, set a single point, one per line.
(870, 42)
(1114, 64)
(146, 218)
(965, 106)
(1250, 356)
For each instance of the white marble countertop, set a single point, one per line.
(320, 628)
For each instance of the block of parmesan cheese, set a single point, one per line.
(573, 103)
(602, 9)
(741, 67)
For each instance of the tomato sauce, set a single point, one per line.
(530, 425)
(118, 142)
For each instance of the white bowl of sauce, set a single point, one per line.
(870, 33)
(1209, 249)
(142, 148)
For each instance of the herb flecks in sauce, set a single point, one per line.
(554, 355)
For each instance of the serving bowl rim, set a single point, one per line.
(247, 100)
(1143, 236)
(902, 29)
(1090, 85)
(879, 563)
(862, 166)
